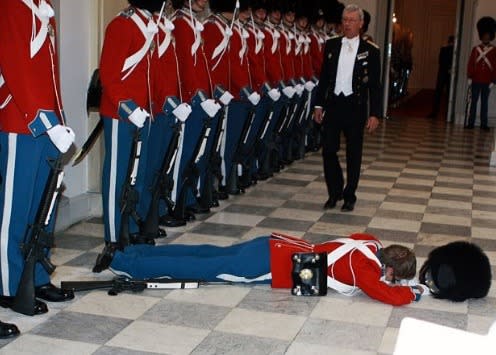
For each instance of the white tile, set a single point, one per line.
(226, 296)
(194, 239)
(479, 324)
(409, 193)
(159, 338)
(260, 201)
(484, 233)
(296, 214)
(395, 224)
(451, 191)
(444, 219)
(335, 229)
(404, 207)
(419, 182)
(238, 219)
(34, 344)
(263, 324)
(349, 310)
(450, 204)
(484, 215)
(60, 256)
(128, 306)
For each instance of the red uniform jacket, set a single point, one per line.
(166, 67)
(481, 66)
(214, 36)
(27, 82)
(367, 273)
(298, 49)
(287, 46)
(238, 58)
(316, 51)
(193, 67)
(256, 56)
(308, 72)
(273, 63)
(126, 89)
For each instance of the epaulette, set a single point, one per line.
(127, 12)
(373, 44)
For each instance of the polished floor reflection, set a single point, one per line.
(423, 184)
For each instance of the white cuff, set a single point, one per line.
(226, 98)
(182, 112)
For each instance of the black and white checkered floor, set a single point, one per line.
(423, 184)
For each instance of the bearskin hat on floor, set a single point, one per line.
(150, 5)
(457, 271)
(259, 4)
(485, 25)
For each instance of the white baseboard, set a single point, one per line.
(75, 209)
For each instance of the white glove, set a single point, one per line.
(425, 289)
(299, 89)
(226, 98)
(182, 112)
(289, 92)
(62, 137)
(254, 98)
(309, 86)
(210, 107)
(469, 81)
(274, 94)
(138, 117)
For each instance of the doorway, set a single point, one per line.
(418, 34)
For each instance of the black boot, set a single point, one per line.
(136, 238)
(40, 307)
(8, 330)
(105, 257)
(52, 293)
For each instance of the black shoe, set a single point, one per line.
(8, 330)
(485, 128)
(221, 194)
(136, 238)
(197, 209)
(348, 206)
(331, 202)
(40, 307)
(172, 222)
(51, 293)
(470, 126)
(104, 259)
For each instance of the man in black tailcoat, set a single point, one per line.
(349, 99)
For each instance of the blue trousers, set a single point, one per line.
(244, 262)
(24, 170)
(161, 132)
(119, 136)
(236, 118)
(481, 90)
(190, 136)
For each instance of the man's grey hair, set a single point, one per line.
(354, 8)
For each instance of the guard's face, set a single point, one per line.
(275, 16)
(351, 24)
(303, 22)
(260, 14)
(198, 5)
(289, 17)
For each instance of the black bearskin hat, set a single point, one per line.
(457, 271)
(244, 5)
(303, 8)
(259, 4)
(366, 21)
(288, 6)
(150, 5)
(335, 12)
(222, 5)
(318, 11)
(485, 25)
(274, 5)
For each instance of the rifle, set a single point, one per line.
(162, 186)
(124, 283)
(191, 174)
(129, 199)
(37, 241)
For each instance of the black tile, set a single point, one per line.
(286, 224)
(227, 230)
(78, 242)
(249, 209)
(447, 229)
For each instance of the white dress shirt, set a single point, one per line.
(347, 56)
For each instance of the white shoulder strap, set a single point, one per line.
(43, 12)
